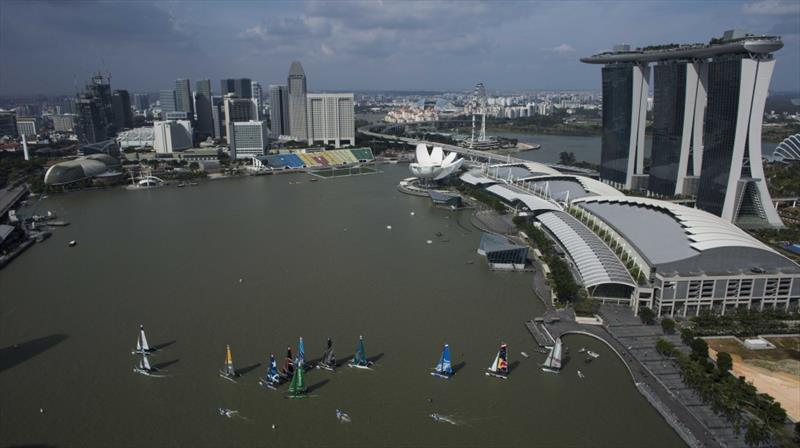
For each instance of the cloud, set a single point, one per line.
(772, 7)
(563, 48)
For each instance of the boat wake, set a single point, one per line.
(441, 418)
(231, 414)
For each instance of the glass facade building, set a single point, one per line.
(720, 132)
(620, 93)
(203, 106)
(668, 126)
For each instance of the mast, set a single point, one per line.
(144, 345)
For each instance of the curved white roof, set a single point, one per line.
(530, 201)
(788, 150)
(596, 263)
(703, 230)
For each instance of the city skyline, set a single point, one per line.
(146, 46)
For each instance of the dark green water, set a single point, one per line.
(316, 260)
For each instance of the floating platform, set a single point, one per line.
(539, 333)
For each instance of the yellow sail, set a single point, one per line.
(229, 357)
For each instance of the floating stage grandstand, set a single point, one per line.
(333, 163)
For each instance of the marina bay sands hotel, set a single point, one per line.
(708, 106)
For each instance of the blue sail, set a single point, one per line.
(301, 354)
(444, 366)
(272, 374)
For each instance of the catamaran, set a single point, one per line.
(360, 360)
(287, 368)
(271, 379)
(141, 344)
(297, 388)
(328, 358)
(144, 367)
(499, 367)
(228, 372)
(593, 354)
(443, 368)
(553, 362)
(342, 416)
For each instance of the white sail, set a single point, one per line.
(143, 338)
(556, 361)
(145, 364)
(493, 367)
(138, 344)
(553, 361)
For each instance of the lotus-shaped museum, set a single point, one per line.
(434, 165)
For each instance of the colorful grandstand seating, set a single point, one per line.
(363, 153)
(307, 159)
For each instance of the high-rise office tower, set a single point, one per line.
(121, 109)
(298, 126)
(167, 101)
(8, 124)
(183, 98)
(625, 88)
(678, 111)
(218, 116)
(279, 109)
(732, 183)
(203, 105)
(95, 122)
(331, 118)
(247, 139)
(237, 109)
(241, 87)
(258, 98)
(141, 101)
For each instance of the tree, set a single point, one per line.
(687, 336)
(668, 325)
(699, 349)
(647, 315)
(567, 158)
(724, 363)
(665, 347)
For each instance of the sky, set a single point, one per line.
(53, 47)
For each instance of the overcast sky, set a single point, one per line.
(51, 47)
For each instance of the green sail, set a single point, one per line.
(298, 385)
(361, 355)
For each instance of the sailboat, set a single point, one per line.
(228, 372)
(141, 343)
(287, 368)
(499, 367)
(300, 359)
(271, 379)
(328, 358)
(553, 362)
(360, 360)
(443, 368)
(144, 367)
(297, 388)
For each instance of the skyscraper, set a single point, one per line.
(729, 79)
(331, 118)
(183, 98)
(258, 98)
(95, 122)
(247, 139)
(298, 126)
(141, 101)
(167, 101)
(624, 108)
(242, 87)
(218, 116)
(203, 104)
(732, 183)
(679, 107)
(8, 123)
(121, 110)
(237, 109)
(279, 109)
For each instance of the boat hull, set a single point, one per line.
(268, 385)
(549, 370)
(145, 372)
(226, 376)
(441, 375)
(496, 375)
(326, 367)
